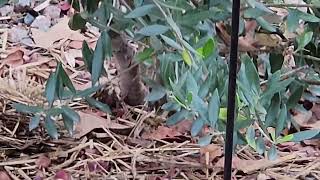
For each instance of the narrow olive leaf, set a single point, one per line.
(26, 109)
(208, 48)
(281, 120)
(51, 128)
(153, 30)
(250, 137)
(70, 113)
(177, 117)
(68, 124)
(214, 107)
(205, 140)
(304, 39)
(34, 122)
(88, 92)
(156, 93)
(102, 50)
(295, 15)
(103, 107)
(76, 22)
(66, 80)
(295, 97)
(92, 5)
(197, 126)
(186, 57)
(272, 153)
(261, 147)
(192, 85)
(145, 54)
(304, 135)
(54, 111)
(251, 74)
(265, 24)
(87, 56)
(286, 138)
(50, 90)
(140, 11)
(171, 42)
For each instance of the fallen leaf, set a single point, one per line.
(214, 151)
(75, 44)
(308, 119)
(18, 34)
(89, 122)
(6, 10)
(4, 176)
(52, 11)
(263, 177)
(161, 132)
(14, 59)
(288, 58)
(55, 33)
(43, 162)
(71, 56)
(62, 175)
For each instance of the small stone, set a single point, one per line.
(17, 33)
(42, 23)
(52, 11)
(28, 19)
(24, 2)
(6, 10)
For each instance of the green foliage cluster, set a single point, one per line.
(193, 74)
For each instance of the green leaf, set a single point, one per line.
(259, 5)
(54, 111)
(177, 117)
(304, 135)
(171, 42)
(250, 137)
(192, 85)
(103, 107)
(76, 22)
(304, 39)
(251, 74)
(51, 86)
(272, 153)
(193, 17)
(253, 13)
(88, 92)
(214, 107)
(92, 5)
(295, 15)
(87, 55)
(27, 109)
(51, 128)
(156, 93)
(145, 54)
(75, 4)
(282, 120)
(102, 50)
(273, 111)
(265, 24)
(286, 138)
(186, 57)
(260, 146)
(205, 140)
(197, 126)
(208, 48)
(140, 11)
(34, 122)
(70, 113)
(295, 97)
(3, 2)
(65, 79)
(153, 30)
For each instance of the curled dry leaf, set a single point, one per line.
(89, 122)
(308, 119)
(4, 176)
(42, 23)
(14, 59)
(71, 56)
(43, 162)
(59, 31)
(288, 58)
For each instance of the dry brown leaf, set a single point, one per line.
(75, 44)
(269, 40)
(161, 132)
(89, 122)
(308, 119)
(59, 31)
(214, 151)
(43, 162)
(14, 59)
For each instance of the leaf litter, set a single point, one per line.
(103, 145)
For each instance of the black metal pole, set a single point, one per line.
(232, 89)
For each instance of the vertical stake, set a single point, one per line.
(232, 89)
